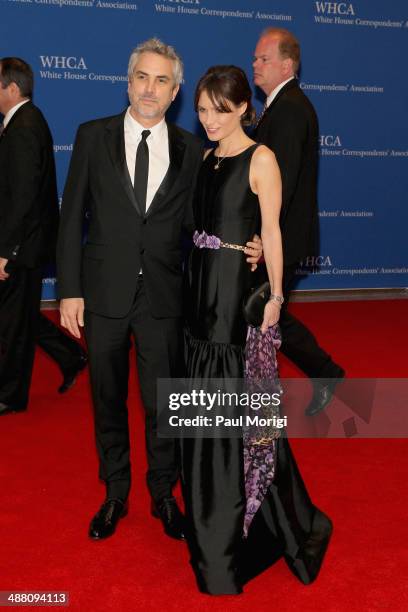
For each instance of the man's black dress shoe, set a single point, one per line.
(323, 393)
(71, 374)
(7, 409)
(105, 520)
(169, 513)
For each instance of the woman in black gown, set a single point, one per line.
(238, 194)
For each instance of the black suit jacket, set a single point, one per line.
(289, 127)
(121, 240)
(28, 190)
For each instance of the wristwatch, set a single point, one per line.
(277, 298)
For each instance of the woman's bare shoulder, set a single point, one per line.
(263, 155)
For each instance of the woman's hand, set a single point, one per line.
(271, 315)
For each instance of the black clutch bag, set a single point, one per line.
(254, 304)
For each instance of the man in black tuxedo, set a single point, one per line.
(28, 229)
(28, 223)
(134, 173)
(288, 126)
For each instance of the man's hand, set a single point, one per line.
(3, 274)
(72, 315)
(254, 250)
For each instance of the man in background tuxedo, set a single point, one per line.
(28, 228)
(288, 126)
(134, 173)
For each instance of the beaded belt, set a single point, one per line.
(207, 241)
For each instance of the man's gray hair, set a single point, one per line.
(155, 45)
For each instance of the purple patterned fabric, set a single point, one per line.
(206, 241)
(260, 353)
(259, 466)
(261, 374)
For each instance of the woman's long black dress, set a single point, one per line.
(287, 523)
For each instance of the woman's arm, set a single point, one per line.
(265, 181)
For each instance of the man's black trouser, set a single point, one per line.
(159, 355)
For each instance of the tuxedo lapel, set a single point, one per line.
(115, 142)
(176, 154)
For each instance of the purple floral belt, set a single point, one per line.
(208, 241)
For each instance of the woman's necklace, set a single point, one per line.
(220, 158)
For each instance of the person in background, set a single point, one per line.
(288, 126)
(28, 229)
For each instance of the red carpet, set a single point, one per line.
(50, 491)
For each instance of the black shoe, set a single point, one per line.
(105, 520)
(169, 513)
(7, 409)
(323, 394)
(71, 374)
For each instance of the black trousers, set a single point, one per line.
(20, 297)
(298, 343)
(63, 349)
(159, 355)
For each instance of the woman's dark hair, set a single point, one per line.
(225, 84)
(16, 70)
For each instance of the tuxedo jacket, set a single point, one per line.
(289, 127)
(28, 189)
(121, 240)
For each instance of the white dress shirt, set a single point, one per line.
(275, 91)
(159, 159)
(8, 116)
